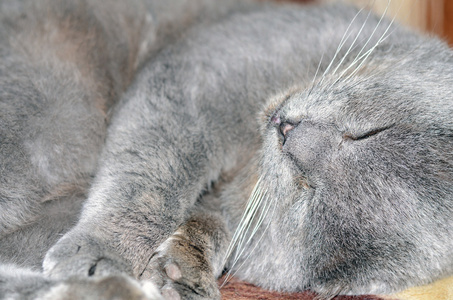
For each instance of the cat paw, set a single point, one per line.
(105, 288)
(181, 271)
(82, 256)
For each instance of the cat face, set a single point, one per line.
(360, 169)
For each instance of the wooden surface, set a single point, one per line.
(429, 16)
(239, 290)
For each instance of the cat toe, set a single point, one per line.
(173, 272)
(82, 256)
(181, 272)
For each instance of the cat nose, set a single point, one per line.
(309, 144)
(285, 127)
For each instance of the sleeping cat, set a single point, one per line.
(334, 122)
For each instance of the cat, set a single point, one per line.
(334, 122)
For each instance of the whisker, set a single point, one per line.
(241, 244)
(359, 55)
(257, 225)
(393, 65)
(362, 57)
(381, 39)
(239, 251)
(374, 31)
(317, 69)
(229, 275)
(314, 77)
(353, 42)
(244, 223)
(340, 46)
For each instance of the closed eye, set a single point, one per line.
(348, 136)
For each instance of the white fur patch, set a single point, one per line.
(56, 292)
(151, 291)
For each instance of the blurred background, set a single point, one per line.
(433, 16)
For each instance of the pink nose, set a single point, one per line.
(285, 127)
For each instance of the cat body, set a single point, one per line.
(336, 121)
(64, 65)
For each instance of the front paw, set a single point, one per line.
(105, 288)
(181, 271)
(83, 256)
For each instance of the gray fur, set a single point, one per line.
(356, 163)
(63, 66)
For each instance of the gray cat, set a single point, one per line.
(334, 122)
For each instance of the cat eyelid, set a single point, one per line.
(349, 136)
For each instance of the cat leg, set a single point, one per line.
(149, 179)
(188, 263)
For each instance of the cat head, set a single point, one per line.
(359, 170)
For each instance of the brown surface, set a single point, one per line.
(448, 21)
(240, 290)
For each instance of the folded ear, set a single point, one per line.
(440, 290)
